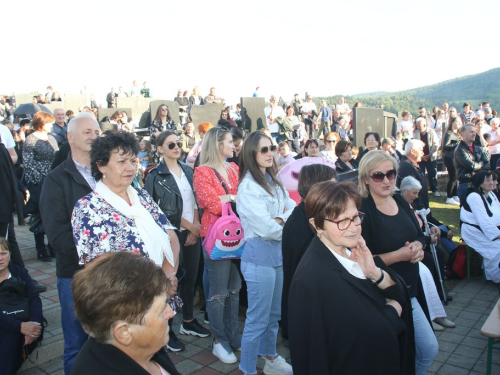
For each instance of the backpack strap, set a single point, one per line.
(221, 180)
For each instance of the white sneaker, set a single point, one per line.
(452, 202)
(456, 198)
(436, 193)
(221, 353)
(277, 367)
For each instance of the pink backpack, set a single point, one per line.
(225, 238)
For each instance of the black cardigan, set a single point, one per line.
(342, 325)
(96, 358)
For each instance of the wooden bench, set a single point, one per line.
(491, 329)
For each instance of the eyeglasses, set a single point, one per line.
(346, 223)
(224, 114)
(331, 141)
(379, 176)
(265, 149)
(172, 145)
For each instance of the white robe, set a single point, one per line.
(483, 241)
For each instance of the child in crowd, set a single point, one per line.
(286, 156)
(144, 154)
(355, 152)
(399, 142)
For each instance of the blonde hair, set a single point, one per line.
(210, 154)
(371, 161)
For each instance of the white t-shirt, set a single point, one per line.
(7, 138)
(308, 107)
(407, 125)
(343, 108)
(494, 150)
(189, 203)
(277, 112)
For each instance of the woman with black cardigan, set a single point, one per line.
(392, 232)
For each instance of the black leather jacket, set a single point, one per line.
(161, 185)
(467, 163)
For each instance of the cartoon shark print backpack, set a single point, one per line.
(225, 238)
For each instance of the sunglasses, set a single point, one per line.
(329, 141)
(172, 145)
(379, 176)
(265, 150)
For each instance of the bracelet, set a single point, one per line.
(381, 277)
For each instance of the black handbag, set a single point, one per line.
(14, 300)
(37, 224)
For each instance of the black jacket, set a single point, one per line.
(10, 189)
(342, 324)
(340, 166)
(451, 140)
(408, 168)
(297, 236)
(96, 358)
(468, 163)
(161, 185)
(61, 189)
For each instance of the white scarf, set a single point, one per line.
(156, 240)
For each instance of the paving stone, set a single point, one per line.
(206, 371)
(53, 366)
(223, 367)
(447, 346)
(187, 367)
(475, 343)
(448, 369)
(434, 367)
(465, 322)
(480, 366)
(470, 315)
(451, 337)
(466, 351)
(190, 350)
(204, 357)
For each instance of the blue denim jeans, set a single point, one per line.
(426, 344)
(462, 191)
(74, 335)
(223, 302)
(448, 245)
(265, 285)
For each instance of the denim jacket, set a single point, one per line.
(257, 210)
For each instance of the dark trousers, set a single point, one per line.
(40, 245)
(431, 167)
(11, 351)
(189, 259)
(15, 253)
(451, 187)
(493, 161)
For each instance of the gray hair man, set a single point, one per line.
(62, 188)
(60, 128)
(431, 144)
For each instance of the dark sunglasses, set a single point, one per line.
(329, 141)
(265, 150)
(171, 145)
(379, 176)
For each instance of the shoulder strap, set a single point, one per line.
(221, 181)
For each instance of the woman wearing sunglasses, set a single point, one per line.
(171, 186)
(392, 232)
(339, 281)
(330, 139)
(264, 206)
(215, 182)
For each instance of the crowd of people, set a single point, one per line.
(125, 218)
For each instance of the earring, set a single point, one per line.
(104, 176)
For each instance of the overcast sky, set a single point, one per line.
(323, 47)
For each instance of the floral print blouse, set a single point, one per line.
(99, 228)
(38, 156)
(158, 126)
(208, 188)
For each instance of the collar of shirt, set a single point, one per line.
(86, 173)
(352, 267)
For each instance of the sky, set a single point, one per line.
(324, 48)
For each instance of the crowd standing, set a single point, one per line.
(82, 189)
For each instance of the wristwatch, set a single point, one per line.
(232, 198)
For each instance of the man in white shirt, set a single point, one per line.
(343, 107)
(309, 111)
(494, 143)
(8, 141)
(272, 112)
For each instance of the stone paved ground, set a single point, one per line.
(462, 350)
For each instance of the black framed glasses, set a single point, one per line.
(266, 149)
(379, 176)
(172, 145)
(346, 223)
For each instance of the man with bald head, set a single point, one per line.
(61, 189)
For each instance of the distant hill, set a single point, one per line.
(473, 89)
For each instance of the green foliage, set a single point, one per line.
(479, 87)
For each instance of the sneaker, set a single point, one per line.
(221, 353)
(205, 318)
(277, 367)
(174, 344)
(456, 198)
(193, 328)
(452, 201)
(436, 193)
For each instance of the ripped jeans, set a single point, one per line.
(223, 302)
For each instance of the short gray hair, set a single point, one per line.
(463, 128)
(413, 144)
(82, 115)
(409, 183)
(421, 119)
(496, 120)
